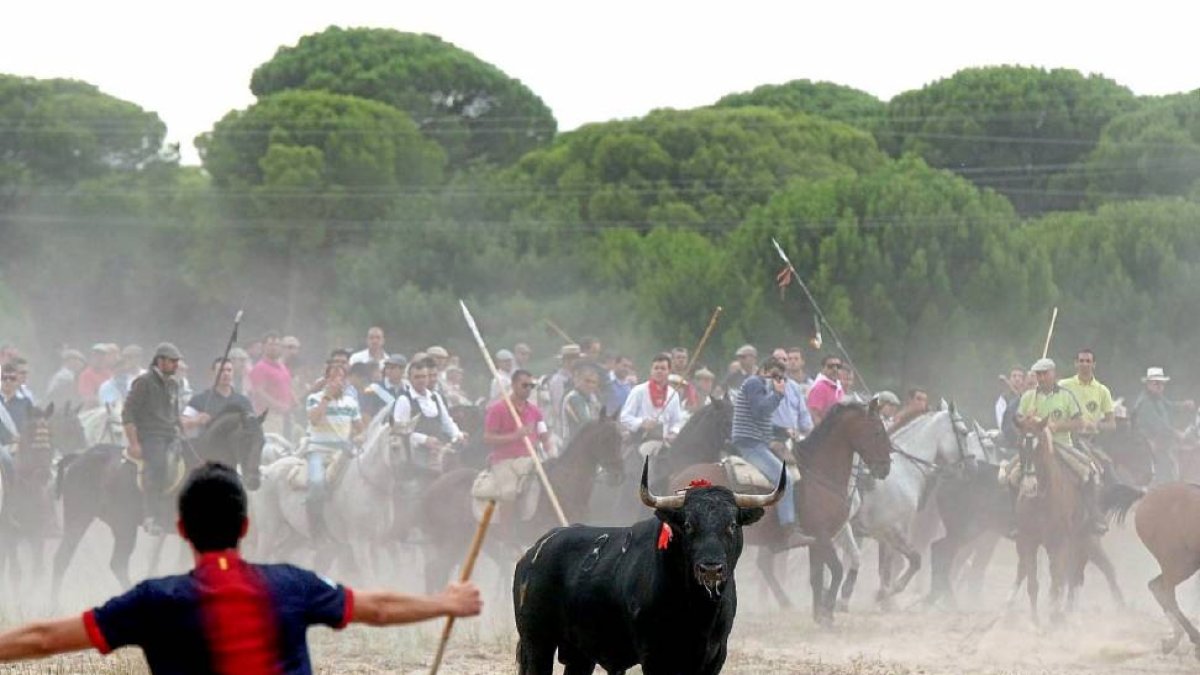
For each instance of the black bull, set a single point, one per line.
(621, 596)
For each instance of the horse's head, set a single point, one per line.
(863, 428)
(37, 442)
(958, 446)
(67, 430)
(236, 436)
(706, 433)
(600, 440)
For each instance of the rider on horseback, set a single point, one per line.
(333, 421)
(14, 410)
(760, 395)
(1056, 408)
(151, 420)
(421, 414)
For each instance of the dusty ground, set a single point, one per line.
(1098, 639)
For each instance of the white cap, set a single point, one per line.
(1042, 365)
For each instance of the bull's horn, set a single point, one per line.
(673, 502)
(760, 501)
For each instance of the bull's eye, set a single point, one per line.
(687, 527)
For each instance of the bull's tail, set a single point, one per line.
(1117, 499)
(60, 472)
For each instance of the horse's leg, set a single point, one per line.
(848, 545)
(982, 551)
(124, 539)
(835, 577)
(816, 580)
(899, 542)
(73, 532)
(766, 564)
(1164, 593)
(1099, 557)
(886, 557)
(942, 554)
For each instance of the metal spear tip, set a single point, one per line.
(238, 317)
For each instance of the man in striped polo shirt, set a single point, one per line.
(759, 396)
(227, 616)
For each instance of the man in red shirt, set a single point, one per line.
(99, 369)
(227, 616)
(271, 385)
(500, 431)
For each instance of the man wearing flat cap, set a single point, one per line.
(151, 419)
(1152, 419)
(1057, 408)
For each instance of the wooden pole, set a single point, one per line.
(561, 333)
(512, 409)
(1050, 333)
(712, 323)
(465, 575)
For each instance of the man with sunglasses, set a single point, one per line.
(14, 410)
(759, 396)
(151, 420)
(509, 458)
(826, 389)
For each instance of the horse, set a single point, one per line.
(448, 521)
(927, 448)
(825, 459)
(358, 511)
(1166, 524)
(27, 507)
(101, 484)
(67, 431)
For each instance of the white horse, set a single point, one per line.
(358, 510)
(926, 446)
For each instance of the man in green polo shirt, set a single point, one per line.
(1095, 400)
(1059, 409)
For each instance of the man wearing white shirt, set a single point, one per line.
(114, 390)
(653, 414)
(374, 352)
(422, 413)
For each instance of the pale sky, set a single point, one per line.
(591, 61)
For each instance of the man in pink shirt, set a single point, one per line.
(271, 385)
(826, 390)
(500, 431)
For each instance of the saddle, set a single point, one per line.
(744, 476)
(295, 471)
(511, 482)
(176, 471)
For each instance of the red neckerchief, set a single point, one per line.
(658, 394)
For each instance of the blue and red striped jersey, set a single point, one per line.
(226, 616)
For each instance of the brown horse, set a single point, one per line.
(1166, 523)
(826, 459)
(1052, 517)
(447, 519)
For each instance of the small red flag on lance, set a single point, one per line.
(793, 275)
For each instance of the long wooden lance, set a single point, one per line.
(237, 321)
(712, 323)
(1050, 333)
(467, 568)
(537, 462)
(561, 333)
(837, 340)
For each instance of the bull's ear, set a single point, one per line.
(749, 516)
(670, 516)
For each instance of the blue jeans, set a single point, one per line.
(759, 455)
(316, 474)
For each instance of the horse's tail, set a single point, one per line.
(1117, 499)
(60, 472)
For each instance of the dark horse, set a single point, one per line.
(702, 439)
(448, 520)
(27, 511)
(101, 483)
(826, 459)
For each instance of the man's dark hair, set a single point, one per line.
(212, 507)
(773, 362)
(340, 351)
(219, 362)
(587, 343)
(519, 373)
(912, 393)
(331, 366)
(1088, 351)
(271, 335)
(363, 370)
(796, 350)
(661, 357)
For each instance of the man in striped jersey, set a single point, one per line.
(761, 394)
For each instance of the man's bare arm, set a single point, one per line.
(44, 638)
(388, 608)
